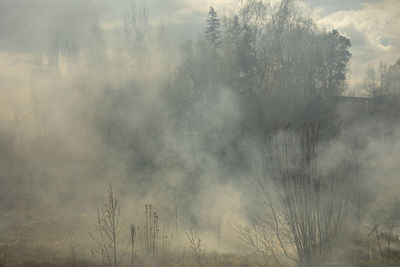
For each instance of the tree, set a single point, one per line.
(303, 205)
(338, 56)
(393, 78)
(213, 31)
(383, 80)
(370, 82)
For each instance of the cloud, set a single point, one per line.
(29, 26)
(331, 6)
(374, 31)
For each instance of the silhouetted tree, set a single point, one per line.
(213, 31)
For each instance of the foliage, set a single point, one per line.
(213, 33)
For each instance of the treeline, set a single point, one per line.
(259, 85)
(382, 80)
(276, 67)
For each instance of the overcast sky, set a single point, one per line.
(373, 27)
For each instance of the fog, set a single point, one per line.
(243, 128)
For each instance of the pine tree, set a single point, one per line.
(234, 30)
(213, 32)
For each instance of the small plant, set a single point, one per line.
(71, 245)
(148, 236)
(197, 247)
(151, 230)
(382, 239)
(108, 230)
(165, 242)
(132, 241)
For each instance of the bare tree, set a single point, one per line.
(302, 206)
(370, 82)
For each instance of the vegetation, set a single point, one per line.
(240, 137)
(108, 230)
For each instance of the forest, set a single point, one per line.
(240, 146)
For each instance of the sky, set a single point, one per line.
(373, 27)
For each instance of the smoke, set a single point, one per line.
(109, 99)
(97, 113)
